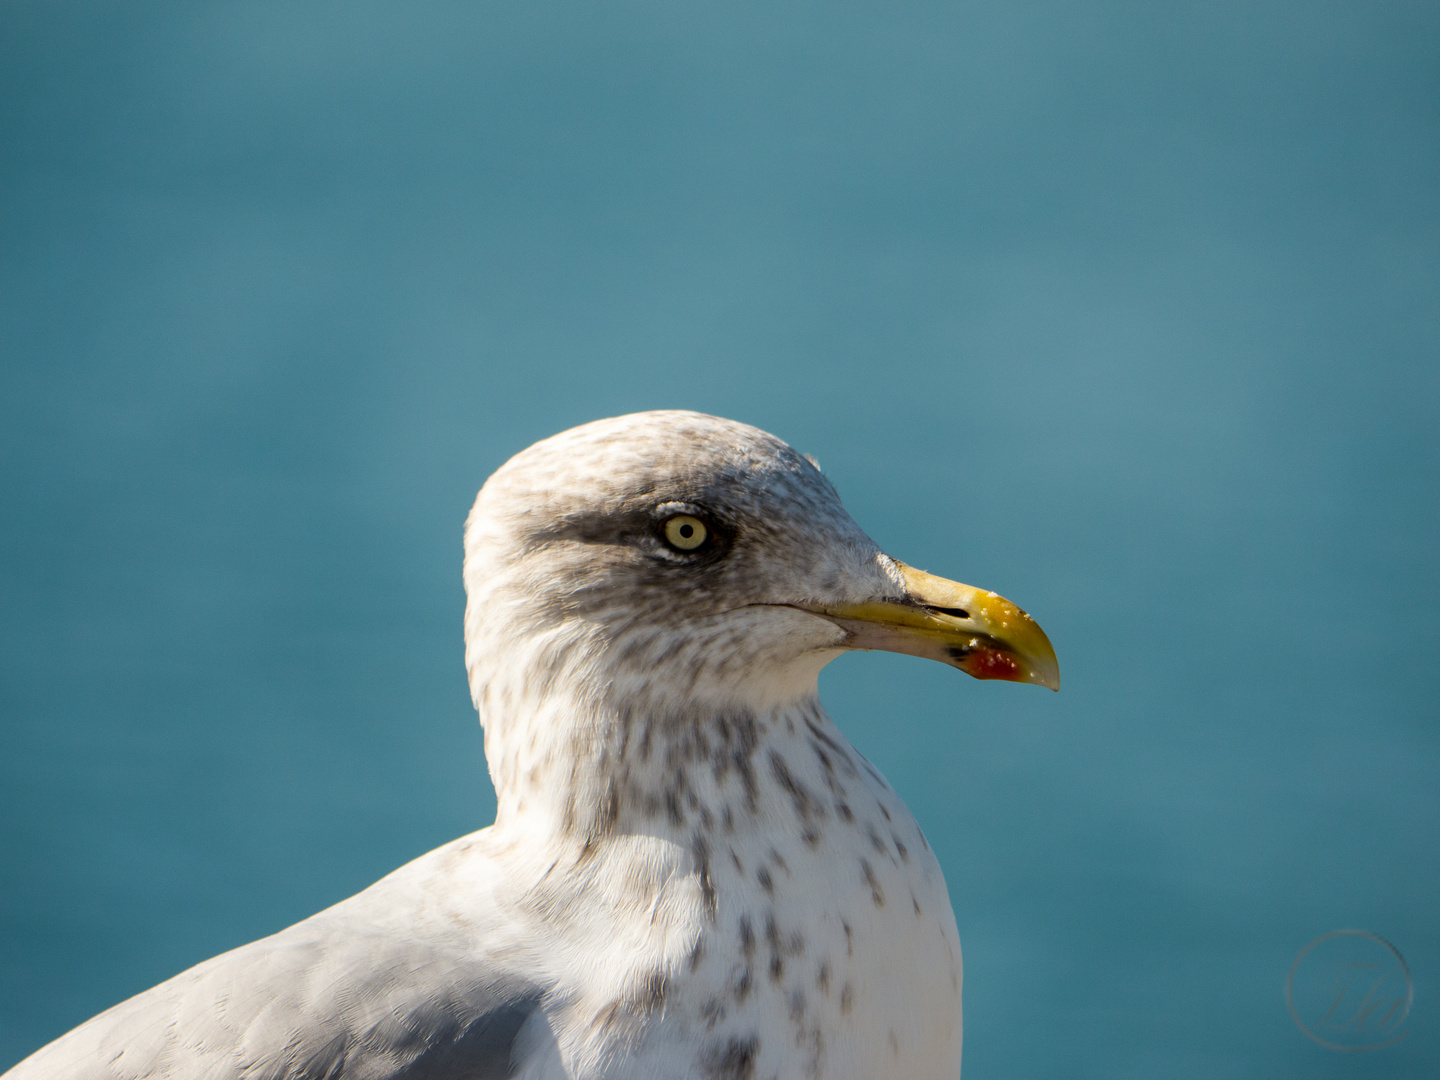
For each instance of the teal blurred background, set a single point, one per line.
(1127, 310)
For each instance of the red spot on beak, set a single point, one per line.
(986, 663)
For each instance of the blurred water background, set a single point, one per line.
(1129, 311)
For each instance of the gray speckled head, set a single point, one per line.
(569, 536)
(579, 610)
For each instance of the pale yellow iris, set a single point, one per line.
(685, 532)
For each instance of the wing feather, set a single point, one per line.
(393, 984)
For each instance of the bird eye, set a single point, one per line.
(685, 532)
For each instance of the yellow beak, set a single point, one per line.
(979, 632)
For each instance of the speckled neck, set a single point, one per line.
(585, 765)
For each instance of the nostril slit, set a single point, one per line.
(957, 612)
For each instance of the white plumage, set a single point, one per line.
(691, 873)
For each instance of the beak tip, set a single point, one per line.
(1049, 680)
(1047, 676)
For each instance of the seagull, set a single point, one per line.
(692, 873)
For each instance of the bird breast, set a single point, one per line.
(793, 921)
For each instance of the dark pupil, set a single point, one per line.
(687, 531)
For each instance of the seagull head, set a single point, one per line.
(670, 558)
